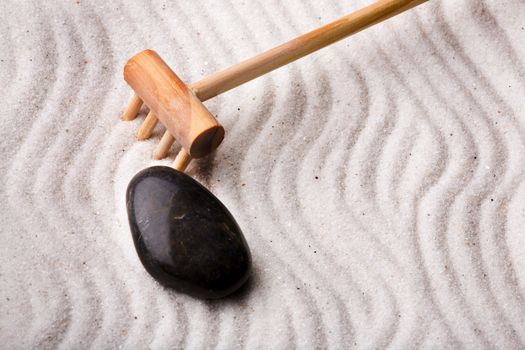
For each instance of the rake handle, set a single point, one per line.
(301, 46)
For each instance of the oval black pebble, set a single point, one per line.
(185, 237)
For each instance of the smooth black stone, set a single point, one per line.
(185, 237)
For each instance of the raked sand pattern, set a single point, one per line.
(380, 182)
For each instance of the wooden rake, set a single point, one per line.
(179, 106)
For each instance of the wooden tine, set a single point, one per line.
(146, 129)
(133, 108)
(163, 148)
(182, 160)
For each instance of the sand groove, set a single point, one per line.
(380, 183)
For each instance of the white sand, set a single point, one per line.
(380, 182)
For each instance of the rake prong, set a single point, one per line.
(182, 160)
(163, 148)
(133, 108)
(146, 129)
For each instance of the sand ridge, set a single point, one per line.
(379, 182)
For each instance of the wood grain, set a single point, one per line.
(176, 106)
